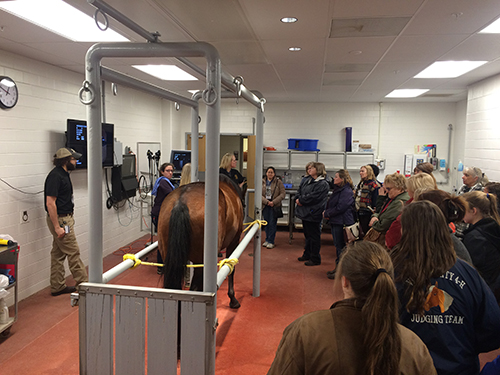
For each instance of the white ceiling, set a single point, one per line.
(352, 50)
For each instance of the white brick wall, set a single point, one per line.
(29, 136)
(482, 134)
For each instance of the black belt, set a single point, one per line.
(63, 215)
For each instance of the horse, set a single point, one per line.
(181, 231)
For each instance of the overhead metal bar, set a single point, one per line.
(227, 80)
(117, 77)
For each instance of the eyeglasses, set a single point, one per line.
(169, 170)
(388, 189)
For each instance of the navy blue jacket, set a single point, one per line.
(339, 209)
(469, 324)
(312, 195)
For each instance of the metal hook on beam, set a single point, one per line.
(86, 88)
(106, 21)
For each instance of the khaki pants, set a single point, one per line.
(63, 248)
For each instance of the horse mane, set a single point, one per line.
(229, 181)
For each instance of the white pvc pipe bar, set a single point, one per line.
(126, 264)
(225, 270)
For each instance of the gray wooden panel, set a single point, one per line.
(193, 337)
(99, 321)
(130, 335)
(162, 336)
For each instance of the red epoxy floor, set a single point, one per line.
(44, 340)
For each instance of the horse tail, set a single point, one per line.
(178, 245)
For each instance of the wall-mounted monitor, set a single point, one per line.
(179, 158)
(76, 138)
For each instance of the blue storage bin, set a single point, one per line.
(303, 144)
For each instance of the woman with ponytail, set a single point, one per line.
(482, 238)
(360, 333)
(443, 299)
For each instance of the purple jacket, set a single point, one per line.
(340, 207)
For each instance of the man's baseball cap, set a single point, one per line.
(65, 152)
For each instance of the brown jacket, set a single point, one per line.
(331, 342)
(277, 190)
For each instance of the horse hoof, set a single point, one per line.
(234, 305)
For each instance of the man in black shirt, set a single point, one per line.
(59, 204)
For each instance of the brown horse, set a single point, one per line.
(181, 231)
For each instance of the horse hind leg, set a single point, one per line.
(233, 302)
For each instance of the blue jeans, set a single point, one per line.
(271, 226)
(338, 239)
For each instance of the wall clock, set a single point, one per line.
(8, 93)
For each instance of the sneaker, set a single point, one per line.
(270, 245)
(68, 289)
(265, 244)
(311, 263)
(302, 258)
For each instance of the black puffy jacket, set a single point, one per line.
(312, 195)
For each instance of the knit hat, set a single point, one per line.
(65, 152)
(375, 169)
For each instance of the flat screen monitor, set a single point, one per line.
(179, 158)
(76, 138)
(128, 166)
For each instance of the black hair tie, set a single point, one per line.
(378, 272)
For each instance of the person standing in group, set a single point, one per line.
(474, 180)
(417, 182)
(392, 197)
(443, 299)
(482, 238)
(163, 186)
(273, 193)
(311, 199)
(366, 195)
(426, 168)
(59, 205)
(228, 167)
(340, 212)
(185, 175)
(493, 188)
(360, 333)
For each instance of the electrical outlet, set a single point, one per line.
(25, 217)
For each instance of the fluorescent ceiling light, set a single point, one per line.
(61, 18)
(294, 49)
(166, 72)
(492, 28)
(289, 19)
(193, 91)
(406, 93)
(449, 69)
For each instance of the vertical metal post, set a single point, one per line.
(94, 163)
(213, 96)
(259, 142)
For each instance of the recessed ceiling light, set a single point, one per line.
(449, 69)
(166, 72)
(355, 52)
(61, 18)
(492, 28)
(289, 19)
(294, 49)
(406, 93)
